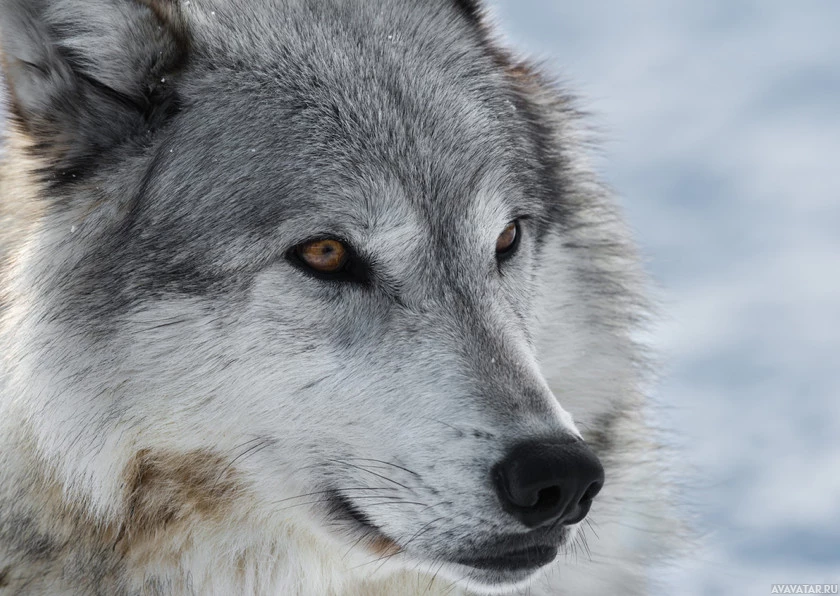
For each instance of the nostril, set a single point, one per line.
(547, 498)
(592, 491)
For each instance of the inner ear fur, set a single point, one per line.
(86, 76)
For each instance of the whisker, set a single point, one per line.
(241, 445)
(397, 503)
(591, 527)
(426, 527)
(371, 472)
(387, 464)
(324, 500)
(584, 541)
(401, 549)
(455, 428)
(434, 577)
(259, 445)
(354, 545)
(321, 492)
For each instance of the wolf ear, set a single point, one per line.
(85, 76)
(471, 8)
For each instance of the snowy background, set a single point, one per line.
(722, 120)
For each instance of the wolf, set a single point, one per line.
(311, 297)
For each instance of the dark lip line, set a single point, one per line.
(532, 558)
(535, 556)
(341, 504)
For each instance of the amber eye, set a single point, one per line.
(507, 240)
(324, 256)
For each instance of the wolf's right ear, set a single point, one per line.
(85, 76)
(472, 9)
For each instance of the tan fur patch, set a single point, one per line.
(167, 489)
(384, 547)
(166, 495)
(523, 73)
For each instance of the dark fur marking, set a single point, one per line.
(470, 8)
(22, 531)
(527, 83)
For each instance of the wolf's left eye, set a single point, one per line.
(508, 240)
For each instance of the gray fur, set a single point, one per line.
(173, 154)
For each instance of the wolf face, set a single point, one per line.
(303, 249)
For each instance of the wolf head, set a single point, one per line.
(343, 259)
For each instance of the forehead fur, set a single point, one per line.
(305, 122)
(340, 95)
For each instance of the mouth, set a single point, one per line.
(524, 560)
(498, 564)
(509, 564)
(341, 508)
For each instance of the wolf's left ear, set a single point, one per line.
(85, 76)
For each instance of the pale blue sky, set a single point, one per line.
(721, 122)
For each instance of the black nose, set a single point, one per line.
(543, 481)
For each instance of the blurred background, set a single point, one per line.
(721, 122)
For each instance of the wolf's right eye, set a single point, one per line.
(324, 256)
(329, 258)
